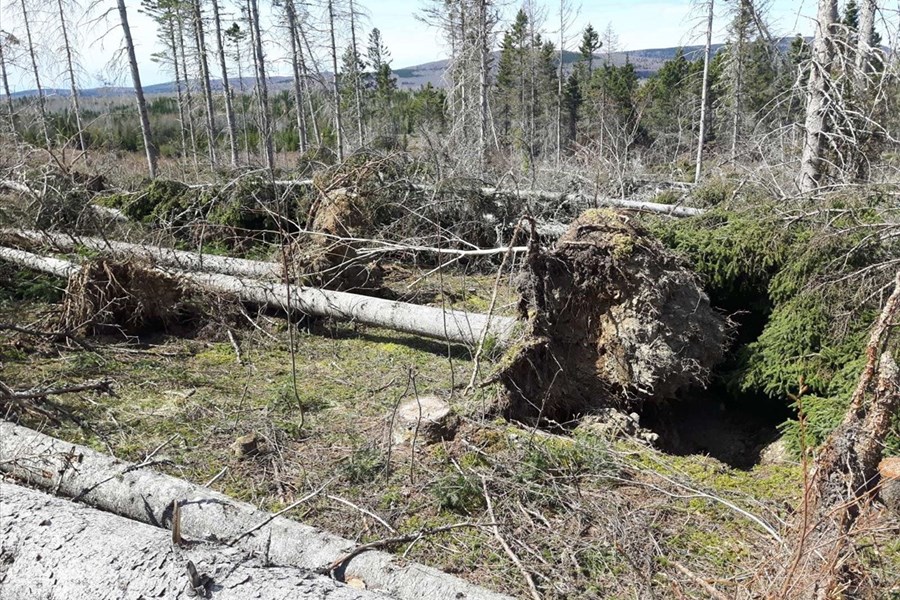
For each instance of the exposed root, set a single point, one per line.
(614, 320)
(121, 297)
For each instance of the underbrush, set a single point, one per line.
(804, 287)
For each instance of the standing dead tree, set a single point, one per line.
(817, 97)
(149, 147)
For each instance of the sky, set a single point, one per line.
(638, 24)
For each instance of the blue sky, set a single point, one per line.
(638, 24)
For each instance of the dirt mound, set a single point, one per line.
(614, 320)
(121, 297)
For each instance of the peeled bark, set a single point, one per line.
(54, 549)
(451, 325)
(146, 496)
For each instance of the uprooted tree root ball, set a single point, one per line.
(613, 320)
(107, 297)
(326, 259)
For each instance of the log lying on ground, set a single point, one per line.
(53, 548)
(613, 319)
(210, 263)
(452, 325)
(188, 261)
(673, 210)
(138, 493)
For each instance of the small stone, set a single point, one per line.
(889, 469)
(428, 419)
(356, 583)
(247, 445)
(776, 453)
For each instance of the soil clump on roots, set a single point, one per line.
(130, 298)
(613, 320)
(327, 259)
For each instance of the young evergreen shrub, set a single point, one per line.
(798, 278)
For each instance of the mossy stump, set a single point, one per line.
(613, 320)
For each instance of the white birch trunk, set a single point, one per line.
(148, 497)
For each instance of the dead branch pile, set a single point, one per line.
(121, 297)
(614, 319)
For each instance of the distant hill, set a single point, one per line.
(646, 63)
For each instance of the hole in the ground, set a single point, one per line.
(732, 430)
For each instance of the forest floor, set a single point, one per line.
(587, 514)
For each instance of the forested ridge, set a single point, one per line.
(558, 327)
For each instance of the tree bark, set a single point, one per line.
(149, 147)
(357, 88)
(10, 112)
(226, 86)
(42, 110)
(263, 84)
(704, 94)
(200, 41)
(450, 325)
(845, 472)
(336, 88)
(291, 14)
(138, 493)
(55, 549)
(73, 85)
(817, 97)
(672, 210)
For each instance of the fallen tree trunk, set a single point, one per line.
(672, 210)
(53, 548)
(189, 261)
(451, 325)
(102, 211)
(239, 267)
(138, 493)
